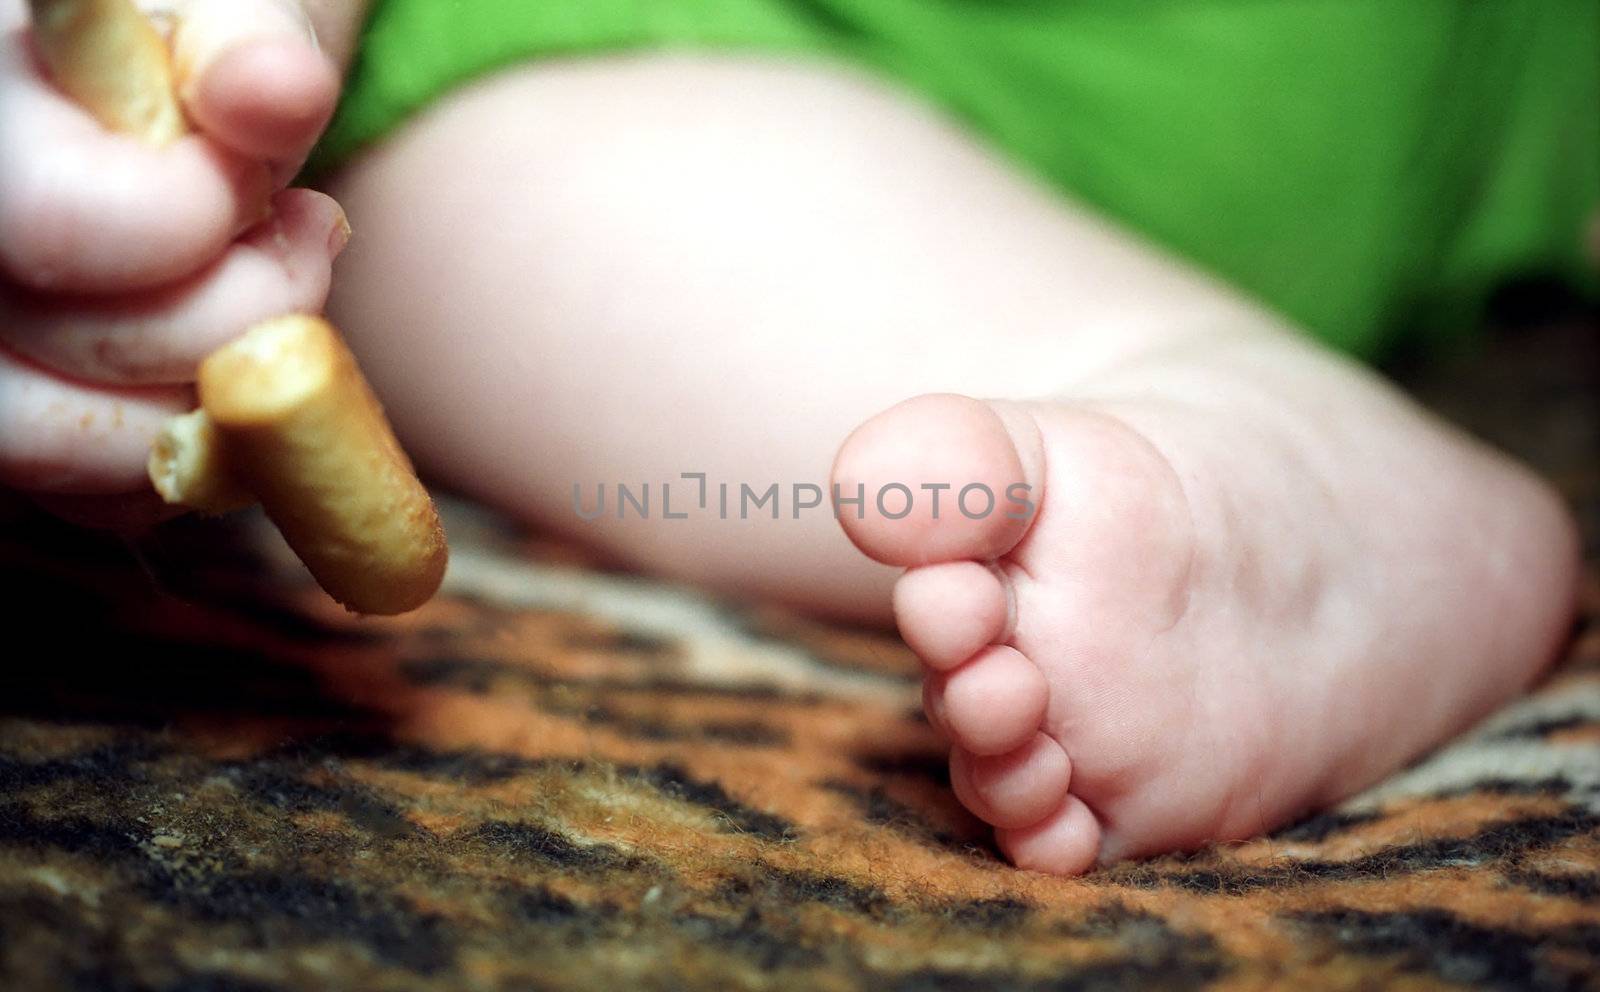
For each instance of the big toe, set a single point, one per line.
(939, 478)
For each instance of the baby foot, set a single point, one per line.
(1222, 611)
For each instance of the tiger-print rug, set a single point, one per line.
(561, 777)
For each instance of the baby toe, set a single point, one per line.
(993, 703)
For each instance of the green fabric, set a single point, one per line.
(1368, 167)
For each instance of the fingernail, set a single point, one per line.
(340, 235)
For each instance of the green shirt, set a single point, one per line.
(1370, 168)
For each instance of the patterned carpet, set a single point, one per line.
(557, 777)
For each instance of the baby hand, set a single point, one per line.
(122, 265)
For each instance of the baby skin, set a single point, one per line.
(1254, 577)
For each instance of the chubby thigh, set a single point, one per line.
(624, 270)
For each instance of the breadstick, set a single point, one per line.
(109, 57)
(304, 433)
(188, 466)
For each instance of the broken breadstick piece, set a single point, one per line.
(188, 466)
(109, 57)
(302, 431)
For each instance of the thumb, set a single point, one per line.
(252, 77)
